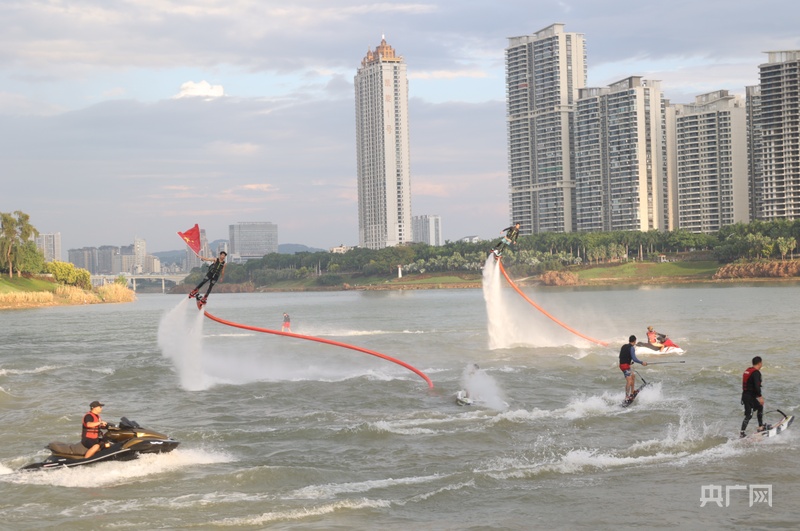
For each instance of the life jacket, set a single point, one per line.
(746, 377)
(625, 357)
(215, 269)
(652, 338)
(91, 433)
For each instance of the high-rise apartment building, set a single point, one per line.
(50, 246)
(544, 72)
(427, 229)
(753, 108)
(252, 240)
(711, 162)
(621, 157)
(382, 149)
(778, 152)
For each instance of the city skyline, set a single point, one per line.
(126, 120)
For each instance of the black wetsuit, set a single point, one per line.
(751, 391)
(212, 275)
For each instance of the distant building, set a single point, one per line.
(252, 240)
(340, 249)
(470, 239)
(427, 229)
(776, 155)
(544, 72)
(85, 258)
(621, 157)
(50, 246)
(139, 255)
(711, 162)
(382, 150)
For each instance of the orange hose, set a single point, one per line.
(320, 340)
(503, 270)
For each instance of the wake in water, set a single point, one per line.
(180, 337)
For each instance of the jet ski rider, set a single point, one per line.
(91, 437)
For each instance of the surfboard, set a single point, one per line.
(629, 401)
(775, 429)
(462, 399)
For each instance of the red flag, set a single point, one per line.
(192, 238)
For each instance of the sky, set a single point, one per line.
(139, 118)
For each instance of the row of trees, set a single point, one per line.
(17, 249)
(533, 254)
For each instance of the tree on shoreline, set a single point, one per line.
(14, 235)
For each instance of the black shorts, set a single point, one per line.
(88, 443)
(751, 403)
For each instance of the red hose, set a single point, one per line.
(320, 340)
(503, 270)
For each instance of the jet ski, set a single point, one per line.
(669, 347)
(120, 443)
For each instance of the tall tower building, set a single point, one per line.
(50, 246)
(621, 157)
(778, 155)
(382, 152)
(711, 162)
(544, 72)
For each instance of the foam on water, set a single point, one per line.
(331, 490)
(117, 472)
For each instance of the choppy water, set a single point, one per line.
(281, 433)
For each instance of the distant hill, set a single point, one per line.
(175, 257)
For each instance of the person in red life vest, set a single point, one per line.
(627, 356)
(216, 271)
(91, 437)
(652, 339)
(751, 396)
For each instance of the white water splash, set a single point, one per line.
(180, 337)
(482, 388)
(513, 322)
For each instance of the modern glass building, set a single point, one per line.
(382, 149)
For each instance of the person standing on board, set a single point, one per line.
(512, 233)
(216, 271)
(90, 434)
(627, 356)
(751, 396)
(287, 323)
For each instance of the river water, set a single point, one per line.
(283, 433)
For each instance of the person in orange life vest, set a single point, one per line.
(751, 396)
(652, 338)
(216, 271)
(92, 423)
(627, 356)
(287, 323)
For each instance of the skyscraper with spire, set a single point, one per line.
(382, 149)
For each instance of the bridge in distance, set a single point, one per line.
(102, 280)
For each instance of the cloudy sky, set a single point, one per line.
(140, 118)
